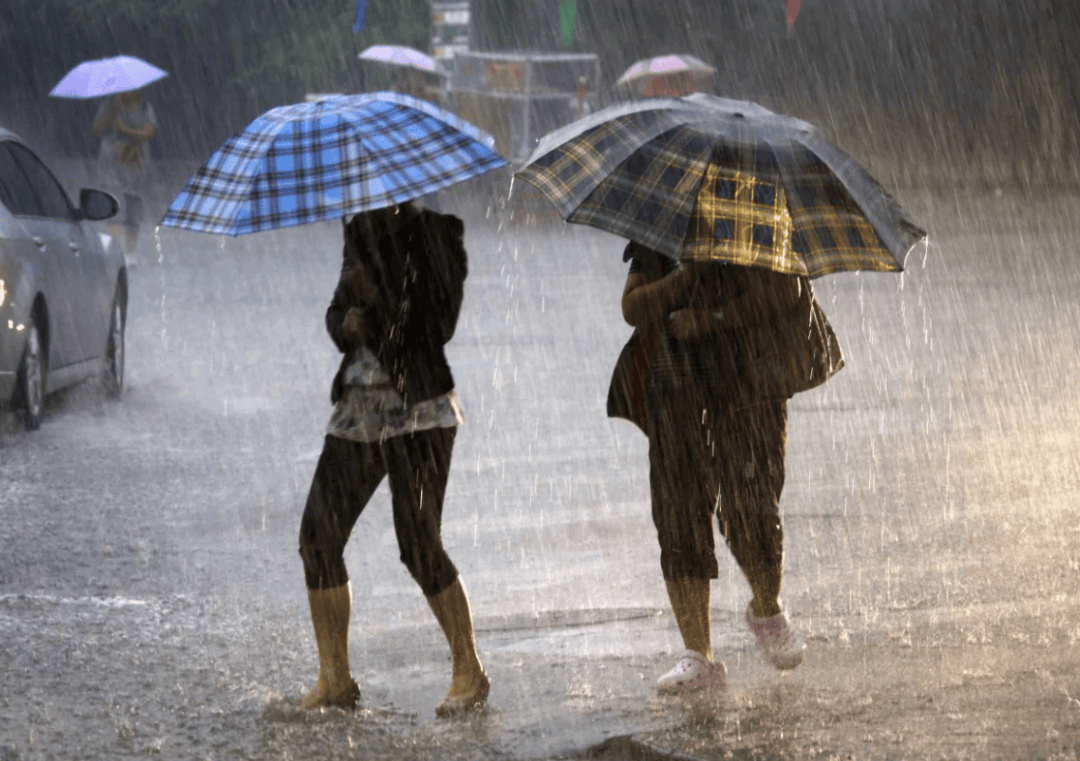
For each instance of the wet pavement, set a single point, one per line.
(151, 599)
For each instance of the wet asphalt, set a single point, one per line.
(151, 599)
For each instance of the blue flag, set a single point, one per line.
(361, 11)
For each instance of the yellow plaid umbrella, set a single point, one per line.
(707, 178)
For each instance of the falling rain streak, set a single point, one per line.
(152, 599)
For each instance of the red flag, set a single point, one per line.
(792, 11)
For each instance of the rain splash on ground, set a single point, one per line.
(151, 600)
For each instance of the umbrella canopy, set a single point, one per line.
(399, 55)
(707, 178)
(340, 155)
(674, 74)
(107, 76)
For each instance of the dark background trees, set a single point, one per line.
(228, 62)
(974, 82)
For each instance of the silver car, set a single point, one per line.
(63, 291)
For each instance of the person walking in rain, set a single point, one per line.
(395, 416)
(716, 439)
(124, 123)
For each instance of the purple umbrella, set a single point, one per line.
(107, 76)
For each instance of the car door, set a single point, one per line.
(89, 287)
(49, 218)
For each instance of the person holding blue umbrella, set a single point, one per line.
(396, 415)
(362, 159)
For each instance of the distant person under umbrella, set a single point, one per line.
(125, 122)
(396, 415)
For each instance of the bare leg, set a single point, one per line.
(696, 669)
(131, 237)
(330, 613)
(116, 230)
(470, 684)
(690, 604)
(766, 589)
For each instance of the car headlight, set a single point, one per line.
(3, 293)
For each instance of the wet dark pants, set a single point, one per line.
(348, 474)
(722, 461)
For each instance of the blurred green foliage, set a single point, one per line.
(248, 44)
(228, 61)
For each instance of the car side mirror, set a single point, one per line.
(95, 205)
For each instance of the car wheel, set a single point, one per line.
(32, 381)
(114, 352)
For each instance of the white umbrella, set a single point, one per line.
(657, 76)
(107, 76)
(399, 55)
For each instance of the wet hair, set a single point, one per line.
(370, 226)
(365, 270)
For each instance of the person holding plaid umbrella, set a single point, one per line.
(716, 444)
(731, 209)
(395, 416)
(363, 158)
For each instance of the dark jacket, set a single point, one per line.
(784, 352)
(418, 271)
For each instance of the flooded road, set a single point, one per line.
(152, 601)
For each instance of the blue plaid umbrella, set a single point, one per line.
(707, 178)
(341, 155)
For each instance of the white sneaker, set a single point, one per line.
(693, 672)
(783, 647)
